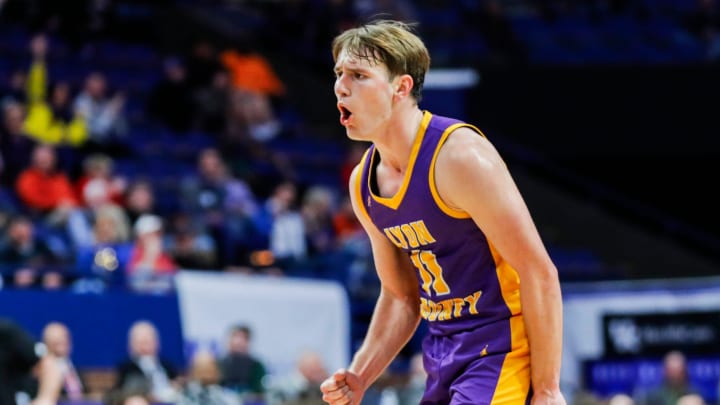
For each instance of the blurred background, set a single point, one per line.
(176, 168)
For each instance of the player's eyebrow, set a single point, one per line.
(351, 70)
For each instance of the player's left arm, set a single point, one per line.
(472, 177)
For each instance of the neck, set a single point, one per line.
(396, 143)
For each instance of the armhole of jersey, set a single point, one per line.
(448, 210)
(358, 185)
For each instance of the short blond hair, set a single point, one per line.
(393, 43)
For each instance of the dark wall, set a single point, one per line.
(595, 112)
(646, 138)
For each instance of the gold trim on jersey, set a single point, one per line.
(394, 201)
(358, 185)
(509, 280)
(515, 374)
(450, 211)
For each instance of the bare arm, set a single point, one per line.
(471, 176)
(395, 318)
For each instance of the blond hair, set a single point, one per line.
(390, 42)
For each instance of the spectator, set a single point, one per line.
(210, 85)
(21, 363)
(241, 371)
(16, 146)
(150, 268)
(145, 367)
(97, 190)
(203, 387)
(211, 104)
(102, 262)
(255, 84)
(22, 247)
(222, 203)
(284, 225)
(14, 91)
(139, 199)
(317, 212)
(54, 122)
(302, 386)
(674, 385)
(251, 72)
(170, 99)
(104, 114)
(190, 247)
(27, 254)
(45, 189)
(98, 168)
(346, 226)
(202, 64)
(58, 341)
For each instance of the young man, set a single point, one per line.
(452, 239)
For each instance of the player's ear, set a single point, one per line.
(404, 85)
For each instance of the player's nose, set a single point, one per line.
(341, 90)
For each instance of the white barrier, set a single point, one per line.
(286, 316)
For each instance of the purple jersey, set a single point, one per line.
(468, 292)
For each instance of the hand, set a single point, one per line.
(548, 398)
(343, 387)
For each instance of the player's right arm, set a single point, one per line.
(395, 318)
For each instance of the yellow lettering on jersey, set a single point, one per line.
(431, 265)
(450, 308)
(458, 303)
(432, 316)
(410, 235)
(397, 232)
(390, 235)
(424, 308)
(472, 301)
(424, 274)
(423, 235)
(445, 310)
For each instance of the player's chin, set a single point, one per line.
(355, 135)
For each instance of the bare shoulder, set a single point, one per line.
(465, 150)
(466, 163)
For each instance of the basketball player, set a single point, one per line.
(452, 239)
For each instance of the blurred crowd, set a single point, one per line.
(234, 375)
(231, 376)
(97, 192)
(67, 215)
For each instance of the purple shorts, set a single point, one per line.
(483, 366)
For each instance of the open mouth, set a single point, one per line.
(344, 114)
